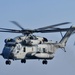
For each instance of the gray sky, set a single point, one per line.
(33, 14)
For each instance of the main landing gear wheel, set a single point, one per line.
(23, 61)
(44, 62)
(8, 62)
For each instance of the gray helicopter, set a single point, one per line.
(30, 46)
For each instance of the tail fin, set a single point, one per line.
(63, 41)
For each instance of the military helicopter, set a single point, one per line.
(30, 46)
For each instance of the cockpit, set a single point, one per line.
(9, 40)
(10, 43)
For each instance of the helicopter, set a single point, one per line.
(29, 46)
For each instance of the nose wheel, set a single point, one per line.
(8, 62)
(44, 62)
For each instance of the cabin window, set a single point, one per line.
(17, 51)
(44, 50)
(24, 50)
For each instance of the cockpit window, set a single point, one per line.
(9, 40)
(44, 50)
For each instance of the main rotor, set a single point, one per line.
(47, 29)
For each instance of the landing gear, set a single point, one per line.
(8, 62)
(23, 61)
(44, 62)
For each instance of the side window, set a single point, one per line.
(17, 51)
(44, 50)
(24, 49)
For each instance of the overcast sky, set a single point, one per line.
(34, 14)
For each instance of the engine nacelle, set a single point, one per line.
(26, 42)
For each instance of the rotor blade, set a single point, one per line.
(18, 31)
(39, 31)
(36, 31)
(27, 31)
(11, 31)
(52, 30)
(52, 26)
(6, 29)
(14, 22)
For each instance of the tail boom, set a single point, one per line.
(65, 38)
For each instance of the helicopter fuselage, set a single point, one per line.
(41, 51)
(18, 49)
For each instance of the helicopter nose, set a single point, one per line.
(7, 53)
